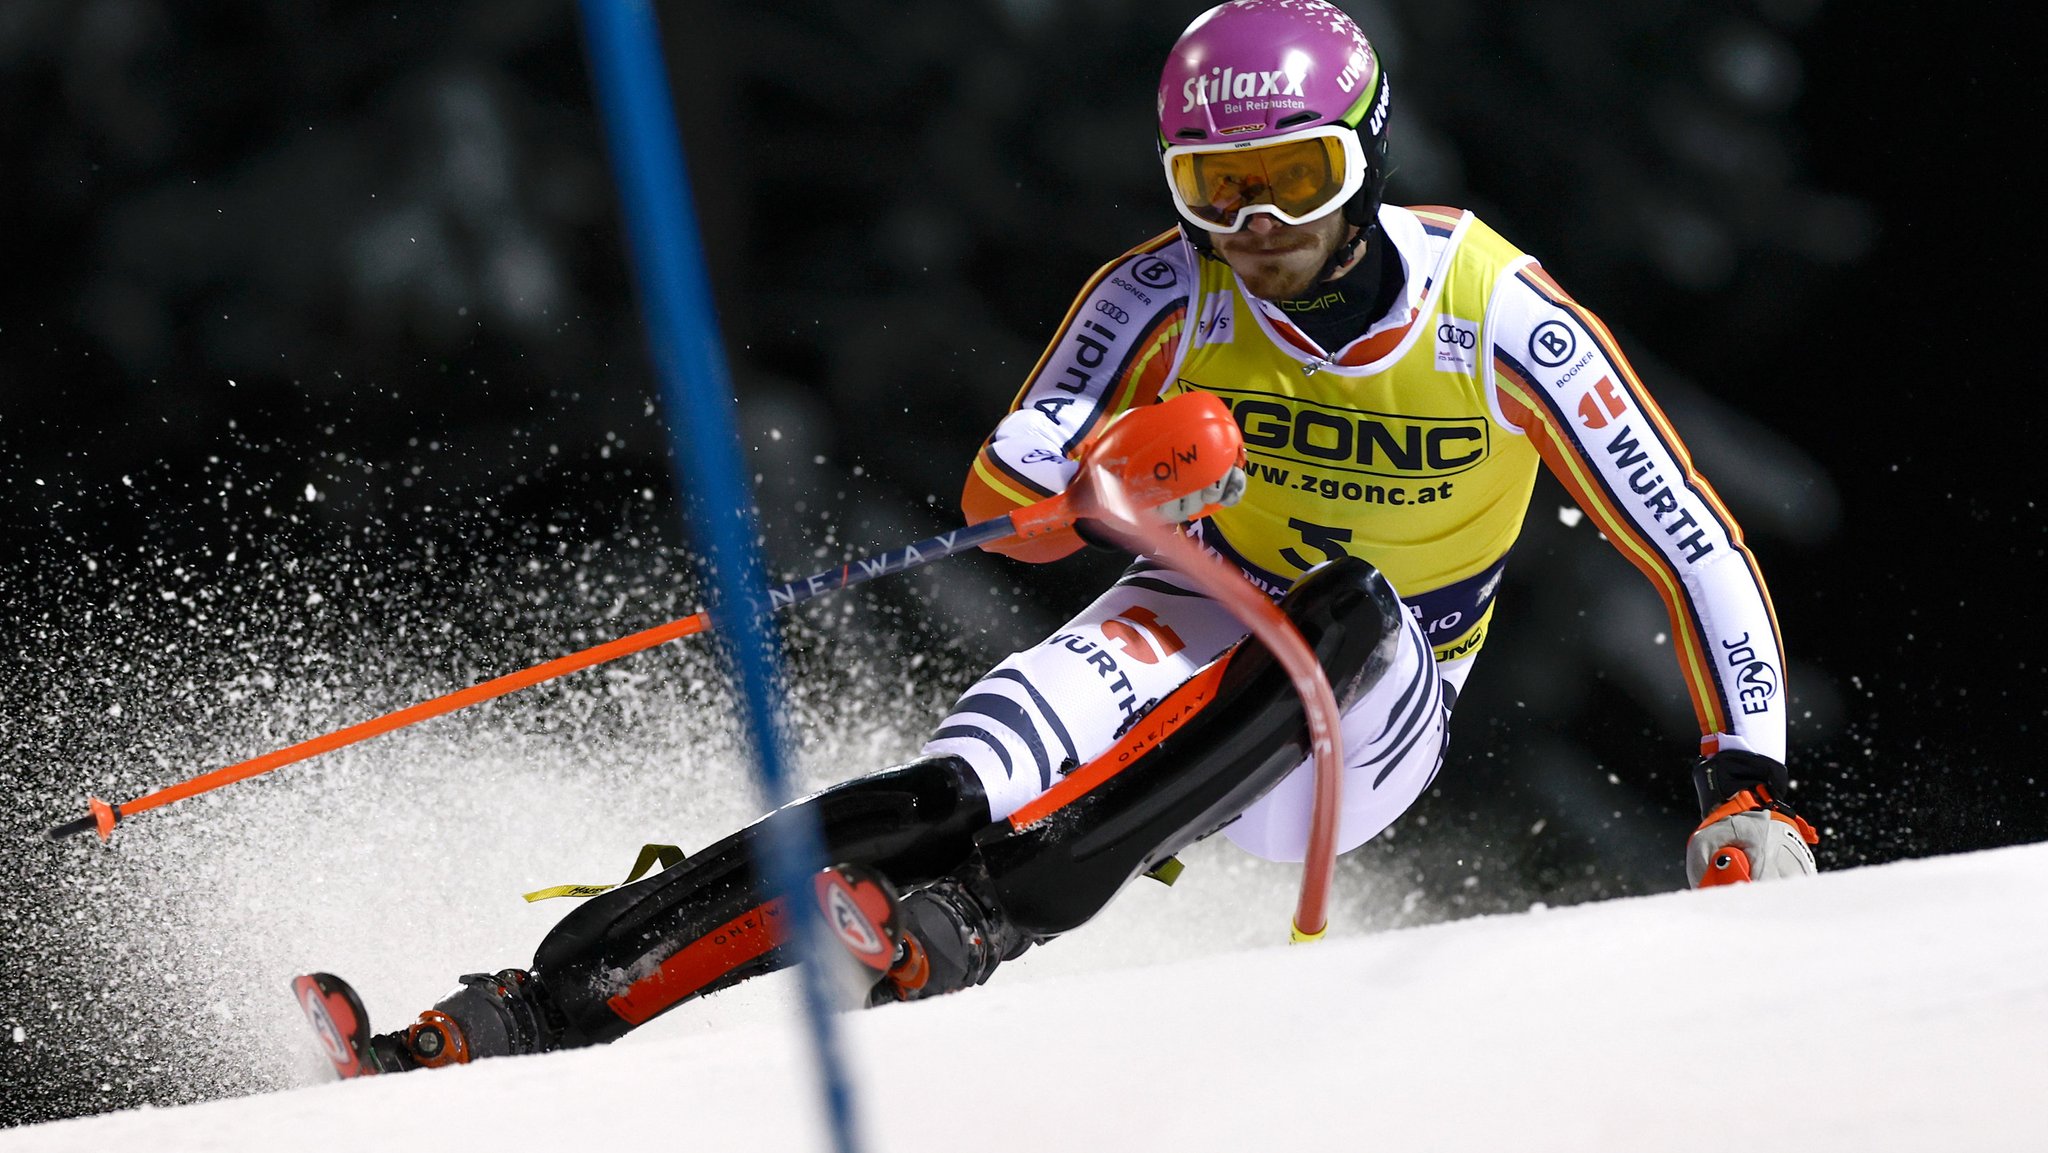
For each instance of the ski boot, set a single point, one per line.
(489, 1015)
(939, 939)
(951, 939)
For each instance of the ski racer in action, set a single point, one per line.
(1397, 374)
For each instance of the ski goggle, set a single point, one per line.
(1218, 186)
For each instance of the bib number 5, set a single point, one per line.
(1320, 537)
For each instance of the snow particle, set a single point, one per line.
(1570, 517)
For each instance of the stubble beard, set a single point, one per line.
(1284, 263)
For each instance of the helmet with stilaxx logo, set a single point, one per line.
(1274, 106)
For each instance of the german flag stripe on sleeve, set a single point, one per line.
(1594, 423)
(1544, 286)
(1526, 405)
(1140, 377)
(1059, 335)
(1436, 219)
(1013, 485)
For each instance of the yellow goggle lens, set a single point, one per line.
(1299, 177)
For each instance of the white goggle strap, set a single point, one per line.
(1354, 179)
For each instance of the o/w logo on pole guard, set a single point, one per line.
(1457, 345)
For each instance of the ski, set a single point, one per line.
(339, 1023)
(858, 909)
(867, 961)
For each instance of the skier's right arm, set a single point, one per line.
(1115, 349)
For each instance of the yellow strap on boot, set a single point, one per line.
(667, 856)
(1167, 871)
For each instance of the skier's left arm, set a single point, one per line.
(1561, 378)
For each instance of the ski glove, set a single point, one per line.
(1748, 832)
(1193, 506)
(1202, 502)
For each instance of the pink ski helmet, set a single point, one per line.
(1274, 106)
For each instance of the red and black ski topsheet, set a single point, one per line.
(338, 1021)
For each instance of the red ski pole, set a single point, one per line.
(1160, 447)
(1048, 515)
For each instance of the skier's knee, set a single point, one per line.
(1349, 615)
(1194, 763)
(914, 822)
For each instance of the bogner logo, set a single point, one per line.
(1229, 84)
(1379, 444)
(1552, 343)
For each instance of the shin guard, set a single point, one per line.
(707, 923)
(1188, 766)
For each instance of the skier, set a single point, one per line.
(1397, 374)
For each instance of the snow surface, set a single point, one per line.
(1897, 1007)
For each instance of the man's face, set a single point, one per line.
(1276, 260)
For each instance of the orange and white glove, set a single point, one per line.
(1193, 506)
(1203, 501)
(1749, 833)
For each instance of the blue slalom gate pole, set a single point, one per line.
(697, 397)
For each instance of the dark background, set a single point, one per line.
(333, 298)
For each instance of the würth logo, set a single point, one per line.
(1602, 404)
(1124, 629)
